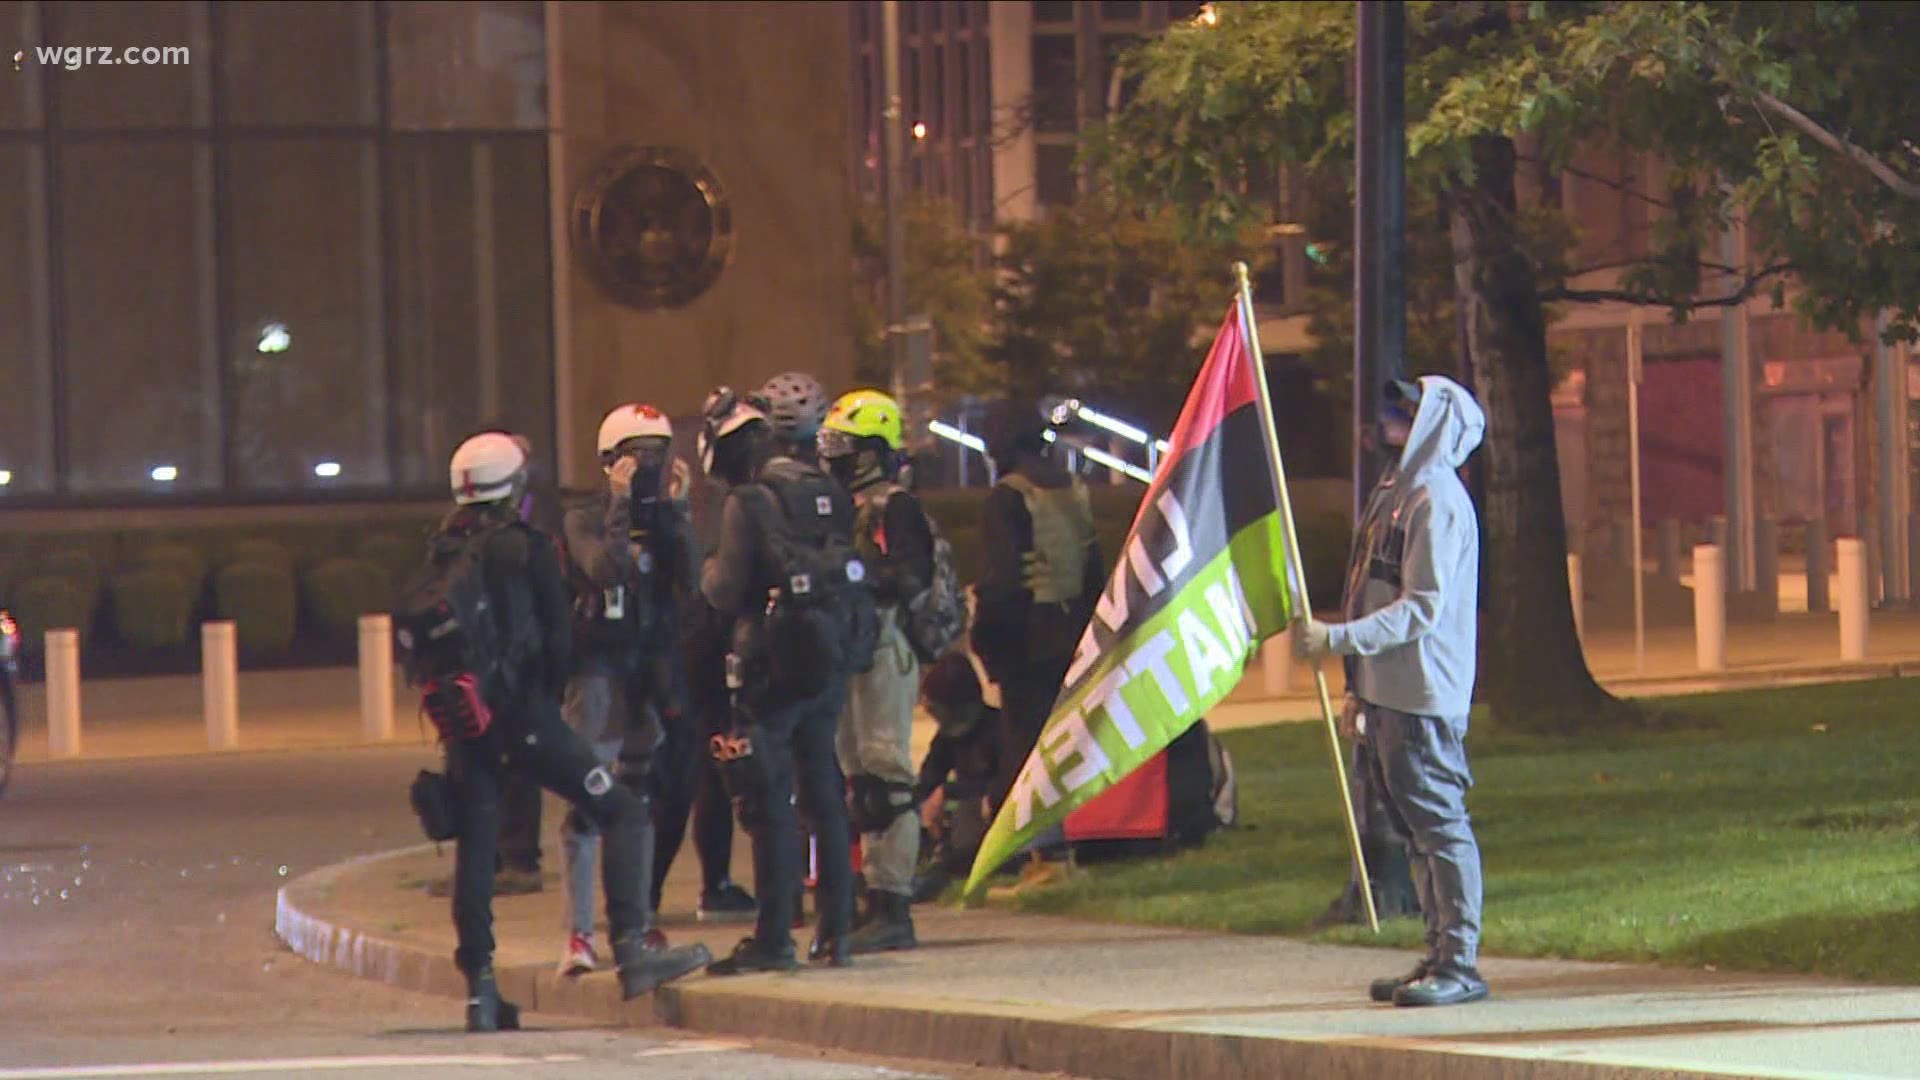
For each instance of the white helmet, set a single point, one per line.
(636, 420)
(487, 468)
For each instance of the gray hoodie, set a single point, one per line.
(1414, 583)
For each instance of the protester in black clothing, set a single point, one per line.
(783, 740)
(1041, 577)
(956, 783)
(523, 732)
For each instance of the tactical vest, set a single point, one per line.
(1055, 571)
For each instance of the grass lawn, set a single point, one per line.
(1777, 835)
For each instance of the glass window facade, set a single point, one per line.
(302, 264)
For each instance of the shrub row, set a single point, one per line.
(145, 591)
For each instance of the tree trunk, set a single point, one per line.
(1533, 673)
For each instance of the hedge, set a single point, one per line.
(184, 560)
(396, 554)
(152, 609)
(339, 591)
(255, 550)
(259, 598)
(48, 602)
(75, 564)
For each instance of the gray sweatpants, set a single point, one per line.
(1421, 764)
(876, 737)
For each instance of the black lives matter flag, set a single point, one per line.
(1199, 584)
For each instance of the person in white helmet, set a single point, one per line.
(521, 729)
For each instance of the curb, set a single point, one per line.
(827, 1010)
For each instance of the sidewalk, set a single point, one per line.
(292, 710)
(995, 989)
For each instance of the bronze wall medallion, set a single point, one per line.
(654, 227)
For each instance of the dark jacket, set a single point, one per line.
(1009, 634)
(897, 545)
(972, 760)
(598, 545)
(526, 581)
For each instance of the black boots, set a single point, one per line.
(889, 924)
(1382, 990)
(643, 970)
(485, 1009)
(752, 956)
(830, 950)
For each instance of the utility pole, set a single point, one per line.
(893, 136)
(1380, 224)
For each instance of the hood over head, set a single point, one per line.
(1446, 430)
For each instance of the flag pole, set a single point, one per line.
(1297, 577)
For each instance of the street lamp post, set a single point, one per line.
(893, 137)
(1380, 220)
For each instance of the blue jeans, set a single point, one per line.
(1421, 764)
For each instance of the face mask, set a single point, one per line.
(525, 507)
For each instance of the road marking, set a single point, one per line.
(691, 1046)
(271, 1065)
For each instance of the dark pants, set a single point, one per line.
(689, 787)
(1026, 700)
(532, 740)
(520, 824)
(799, 746)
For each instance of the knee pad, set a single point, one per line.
(874, 804)
(744, 774)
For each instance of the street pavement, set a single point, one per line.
(137, 902)
(140, 886)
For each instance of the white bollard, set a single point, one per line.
(63, 693)
(376, 677)
(1850, 555)
(1576, 593)
(220, 685)
(1710, 607)
(1276, 663)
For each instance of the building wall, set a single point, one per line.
(758, 93)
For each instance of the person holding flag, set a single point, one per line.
(1412, 588)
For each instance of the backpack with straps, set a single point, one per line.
(822, 617)
(454, 641)
(937, 617)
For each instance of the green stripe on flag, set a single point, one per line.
(1147, 688)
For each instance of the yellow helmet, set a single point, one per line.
(862, 414)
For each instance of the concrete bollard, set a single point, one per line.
(220, 685)
(1667, 540)
(1710, 607)
(1576, 592)
(1766, 562)
(1818, 567)
(1276, 663)
(63, 693)
(376, 677)
(1851, 555)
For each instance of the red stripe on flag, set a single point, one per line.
(1225, 383)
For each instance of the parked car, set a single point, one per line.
(9, 677)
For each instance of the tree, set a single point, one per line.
(1105, 301)
(1792, 115)
(947, 280)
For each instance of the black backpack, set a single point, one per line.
(451, 636)
(822, 617)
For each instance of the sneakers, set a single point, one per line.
(485, 1010)
(752, 956)
(579, 957)
(889, 925)
(728, 903)
(1382, 990)
(1444, 984)
(643, 969)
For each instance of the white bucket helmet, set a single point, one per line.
(488, 468)
(635, 420)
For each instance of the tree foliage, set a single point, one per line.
(947, 280)
(1106, 302)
